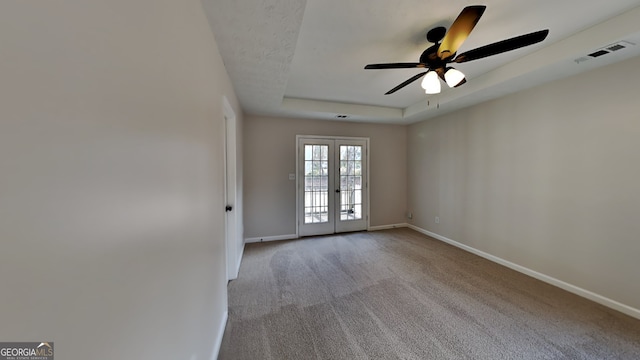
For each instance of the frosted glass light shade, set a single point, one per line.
(453, 77)
(431, 83)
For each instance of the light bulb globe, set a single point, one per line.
(453, 77)
(431, 83)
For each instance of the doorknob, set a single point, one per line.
(228, 208)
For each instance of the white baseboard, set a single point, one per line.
(385, 227)
(542, 277)
(218, 342)
(294, 236)
(270, 238)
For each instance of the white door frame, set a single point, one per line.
(230, 191)
(367, 206)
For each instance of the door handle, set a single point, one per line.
(337, 190)
(228, 208)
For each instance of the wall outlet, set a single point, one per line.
(292, 176)
(437, 220)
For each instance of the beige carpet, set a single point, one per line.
(398, 294)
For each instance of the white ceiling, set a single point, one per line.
(306, 59)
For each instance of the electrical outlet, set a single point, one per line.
(437, 220)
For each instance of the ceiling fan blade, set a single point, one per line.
(409, 81)
(394, 66)
(502, 46)
(460, 30)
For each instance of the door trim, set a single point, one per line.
(230, 190)
(298, 180)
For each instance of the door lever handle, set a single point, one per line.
(337, 190)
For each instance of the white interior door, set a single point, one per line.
(230, 191)
(332, 185)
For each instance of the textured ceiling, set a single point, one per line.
(257, 40)
(306, 58)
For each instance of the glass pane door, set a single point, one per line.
(350, 182)
(332, 182)
(316, 184)
(315, 187)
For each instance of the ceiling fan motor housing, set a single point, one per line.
(431, 59)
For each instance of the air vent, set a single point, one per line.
(620, 45)
(599, 53)
(616, 47)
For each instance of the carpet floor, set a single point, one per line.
(398, 294)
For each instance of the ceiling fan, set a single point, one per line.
(437, 57)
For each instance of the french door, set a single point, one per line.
(333, 191)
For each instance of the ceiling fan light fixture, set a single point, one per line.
(453, 77)
(431, 83)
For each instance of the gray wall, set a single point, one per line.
(111, 185)
(547, 178)
(270, 155)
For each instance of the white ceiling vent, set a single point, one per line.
(620, 45)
